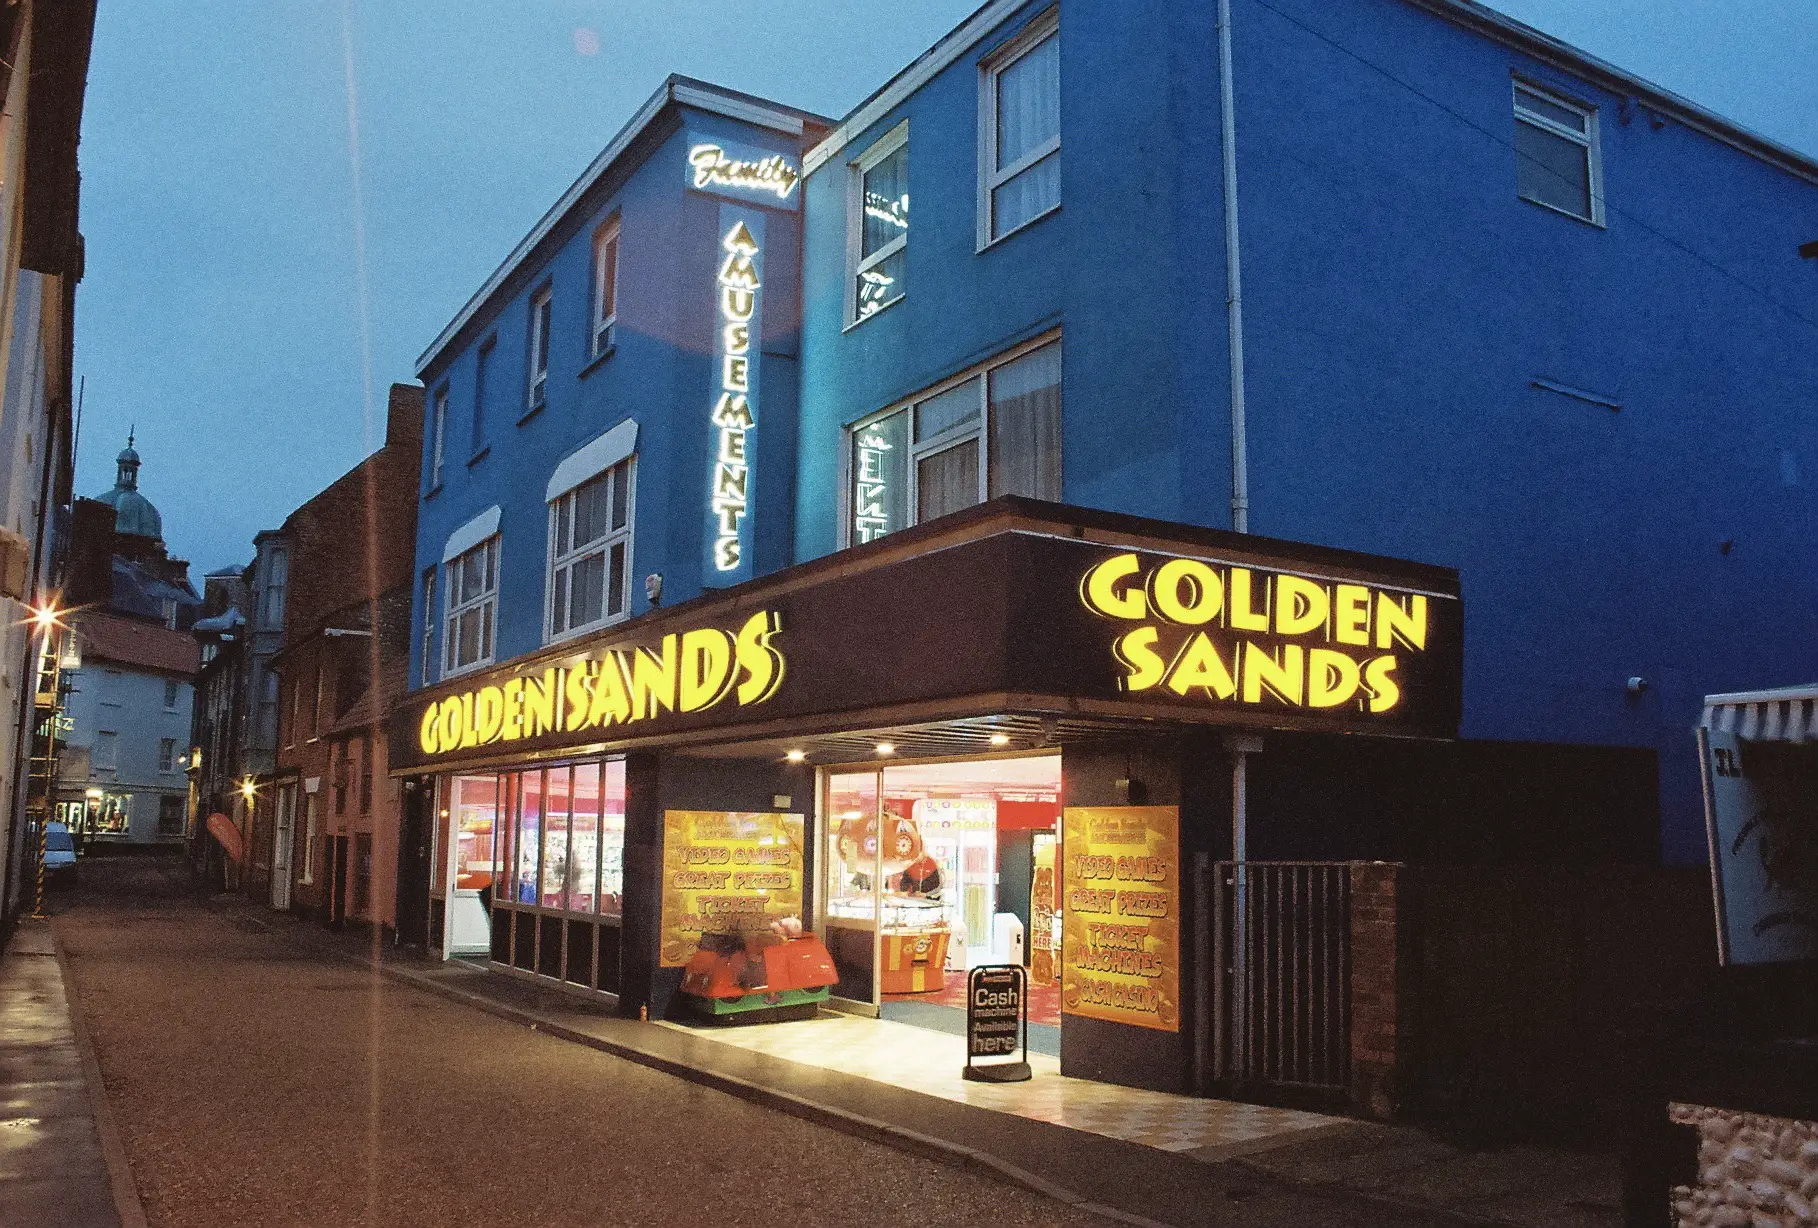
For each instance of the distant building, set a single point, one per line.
(330, 826)
(127, 718)
(120, 776)
(219, 721)
(44, 50)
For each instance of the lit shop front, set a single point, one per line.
(1014, 773)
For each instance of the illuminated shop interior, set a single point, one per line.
(543, 850)
(934, 868)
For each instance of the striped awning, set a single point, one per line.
(1789, 714)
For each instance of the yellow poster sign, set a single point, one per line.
(726, 872)
(1120, 914)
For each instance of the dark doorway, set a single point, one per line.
(337, 882)
(413, 867)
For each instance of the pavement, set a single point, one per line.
(344, 1082)
(54, 1162)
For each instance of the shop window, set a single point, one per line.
(590, 552)
(879, 225)
(1556, 161)
(612, 840)
(113, 816)
(605, 287)
(994, 431)
(558, 868)
(473, 804)
(529, 837)
(538, 350)
(170, 816)
(473, 593)
(1019, 172)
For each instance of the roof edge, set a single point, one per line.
(684, 91)
(1469, 14)
(1556, 53)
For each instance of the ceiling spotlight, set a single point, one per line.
(796, 756)
(886, 748)
(1000, 739)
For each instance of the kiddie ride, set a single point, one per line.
(768, 976)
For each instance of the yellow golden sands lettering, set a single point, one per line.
(1394, 624)
(653, 680)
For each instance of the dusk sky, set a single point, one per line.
(222, 308)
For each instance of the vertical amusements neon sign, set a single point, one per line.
(735, 397)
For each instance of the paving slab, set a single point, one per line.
(54, 1166)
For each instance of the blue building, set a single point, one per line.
(1429, 286)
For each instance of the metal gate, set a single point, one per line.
(1282, 989)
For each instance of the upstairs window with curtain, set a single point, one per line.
(1020, 176)
(590, 552)
(993, 431)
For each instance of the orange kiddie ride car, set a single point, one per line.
(778, 971)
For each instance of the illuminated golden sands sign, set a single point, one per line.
(732, 413)
(1229, 633)
(1120, 914)
(687, 672)
(713, 167)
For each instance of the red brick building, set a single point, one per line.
(345, 656)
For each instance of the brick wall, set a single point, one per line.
(1379, 997)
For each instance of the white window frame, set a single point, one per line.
(438, 435)
(1588, 139)
(601, 545)
(113, 751)
(920, 449)
(856, 261)
(167, 755)
(173, 694)
(990, 178)
(542, 314)
(452, 613)
(605, 296)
